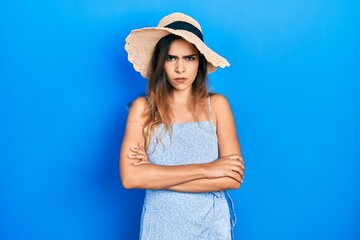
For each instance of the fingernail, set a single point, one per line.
(130, 156)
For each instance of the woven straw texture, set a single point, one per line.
(140, 44)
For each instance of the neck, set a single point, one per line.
(182, 97)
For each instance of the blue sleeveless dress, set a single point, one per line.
(171, 215)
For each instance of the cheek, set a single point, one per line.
(195, 68)
(167, 68)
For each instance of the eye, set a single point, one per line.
(190, 58)
(171, 58)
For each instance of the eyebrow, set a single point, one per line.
(191, 55)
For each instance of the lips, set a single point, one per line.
(180, 79)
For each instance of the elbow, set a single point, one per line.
(128, 186)
(127, 182)
(233, 184)
(127, 177)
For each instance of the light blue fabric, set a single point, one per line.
(185, 216)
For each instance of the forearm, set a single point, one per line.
(224, 173)
(206, 185)
(151, 176)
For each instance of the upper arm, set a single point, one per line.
(133, 134)
(225, 124)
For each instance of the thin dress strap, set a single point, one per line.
(209, 105)
(213, 127)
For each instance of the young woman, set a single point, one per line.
(180, 142)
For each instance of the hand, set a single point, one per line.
(139, 154)
(227, 166)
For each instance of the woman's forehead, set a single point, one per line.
(182, 47)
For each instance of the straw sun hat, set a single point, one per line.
(140, 43)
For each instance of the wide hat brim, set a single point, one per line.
(140, 45)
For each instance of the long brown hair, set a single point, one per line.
(160, 92)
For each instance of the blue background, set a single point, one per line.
(293, 84)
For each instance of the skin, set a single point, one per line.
(225, 173)
(182, 62)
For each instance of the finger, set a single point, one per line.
(136, 156)
(138, 150)
(141, 146)
(143, 155)
(140, 163)
(136, 163)
(240, 163)
(235, 156)
(242, 174)
(234, 162)
(239, 171)
(241, 166)
(235, 176)
(134, 149)
(141, 152)
(231, 156)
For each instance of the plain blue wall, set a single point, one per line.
(293, 84)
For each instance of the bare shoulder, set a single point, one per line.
(137, 109)
(219, 103)
(221, 110)
(139, 103)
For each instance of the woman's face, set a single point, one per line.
(181, 65)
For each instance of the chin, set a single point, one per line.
(181, 87)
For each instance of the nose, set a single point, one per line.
(180, 66)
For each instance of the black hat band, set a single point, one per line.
(181, 25)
